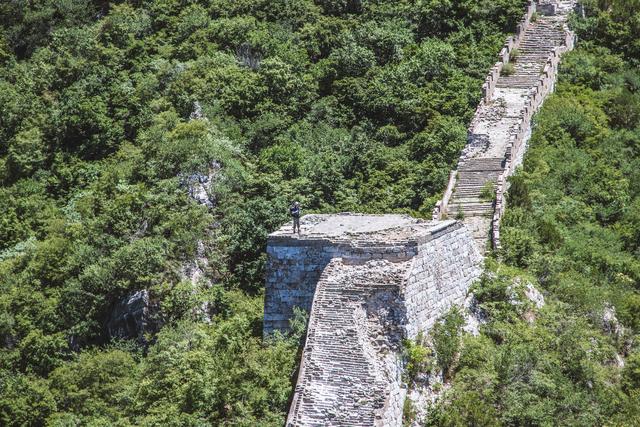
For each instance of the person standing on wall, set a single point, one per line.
(295, 210)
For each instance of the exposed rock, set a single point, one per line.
(200, 186)
(525, 295)
(619, 361)
(131, 317)
(534, 295)
(248, 56)
(194, 271)
(473, 315)
(200, 189)
(424, 394)
(197, 113)
(610, 323)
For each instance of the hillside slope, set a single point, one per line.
(148, 147)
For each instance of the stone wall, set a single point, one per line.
(367, 288)
(294, 267)
(440, 277)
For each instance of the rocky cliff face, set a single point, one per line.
(135, 315)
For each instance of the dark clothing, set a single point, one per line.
(295, 214)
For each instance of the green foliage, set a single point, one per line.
(408, 412)
(513, 55)
(418, 358)
(508, 69)
(447, 339)
(488, 191)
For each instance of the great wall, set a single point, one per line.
(370, 281)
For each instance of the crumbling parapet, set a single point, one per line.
(295, 262)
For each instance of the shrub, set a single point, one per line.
(513, 55)
(418, 357)
(408, 412)
(488, 192)
(446, 340)
(508, 69)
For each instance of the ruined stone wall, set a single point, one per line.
(500, 128)
(292, 275)
(294, 267)
(350, 374)
(366, 293)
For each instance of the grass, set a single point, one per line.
(508, 69)
(513, 55)
(488, 192)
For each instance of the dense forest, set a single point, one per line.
(108, 107)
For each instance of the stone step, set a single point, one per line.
(482, 164)
(484, 207)
(459, 214)
(468, 191)
(470, 185)
(471, 203)
(468, 180)
(522, 85)
(468, 194)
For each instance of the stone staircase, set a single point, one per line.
(473, 177)
(346, 378)
(539, 38)
(504, 117)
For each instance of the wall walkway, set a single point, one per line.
(513, 91)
